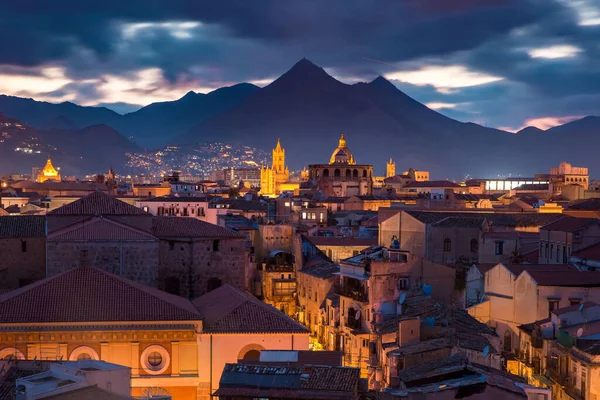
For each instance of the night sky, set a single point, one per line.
(500, 63)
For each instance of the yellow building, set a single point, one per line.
(168, 342)
(272, 178)
(48, 173)
(390, 169)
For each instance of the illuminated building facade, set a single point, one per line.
(390, 169)
(272, 178)
(48, 173)
(342, 176)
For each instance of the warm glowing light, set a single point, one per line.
(552, 52)
(544, 122)
(443, 77)
(439, 106)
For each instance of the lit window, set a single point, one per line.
(287, 203)
(447, 245)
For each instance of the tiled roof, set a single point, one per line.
(570, 224)
(22, 226)
(460, 222)
(568, 309)
(425, 370)
(511, 235)
(227, 309)
(342, 241)
(98, 228)
(497, 219)
(485, 267)
(320, 269)
(431, 184)
(562, 278)
(61, 186)
(588, 204)
(291, 381)
(588, 253)
(517, 269)
(175, 227)
(16, 370)
(177, 199)
(89, 295)
(98, 203)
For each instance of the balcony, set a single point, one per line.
(357, 295)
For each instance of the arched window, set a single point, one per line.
(83, 353)
(325, 173)
(364, 173)
(447, 244)
(474, 245)
(212, 284)
(355, 173)
(336, 173)
(172, 285)
(348, 174)
(507, 341)
(155, 359)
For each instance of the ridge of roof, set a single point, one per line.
(98, 203)
(227, 309)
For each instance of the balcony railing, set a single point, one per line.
(357, 295)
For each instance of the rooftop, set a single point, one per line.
(570, 224)
(227, 309)
(342, 241)
(22, 226)
(565, 279)
(588, 253)
(98, 203)
(322, 269)
(89, 295)
(188, 227)
(431, 184)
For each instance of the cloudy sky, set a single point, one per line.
(501, 63)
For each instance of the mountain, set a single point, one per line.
(156, 124)
(308, 109)
(39, 114)
(76, 151)
(152, 126)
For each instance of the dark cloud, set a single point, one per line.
(253, 40)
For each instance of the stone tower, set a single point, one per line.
(390, 169)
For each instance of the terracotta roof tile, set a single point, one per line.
(321, 269)
(460, 222)
(171, 227)
(517, 269)
(98, 203)
(22, 226)
(588, 204)
(227, 309)
(588, 253)
(570, 278)
(97, 228)
(89, 295)
(570, 224)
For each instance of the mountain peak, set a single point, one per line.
(189, 94)
(381, 82)
(304, 70)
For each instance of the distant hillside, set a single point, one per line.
(77, 151)
(308, 109)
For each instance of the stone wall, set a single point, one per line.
(137, 260)
(192, 268)
(22, 261)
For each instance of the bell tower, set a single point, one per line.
(278, 158)
(390, 169)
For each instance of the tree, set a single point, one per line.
(516, 257)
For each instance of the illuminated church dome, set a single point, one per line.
(342, 155)
(48, 173)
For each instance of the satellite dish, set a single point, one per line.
(427, 289)
(402, 298)
(357, 315)
(579, 332)
(486, 351)
(581, 307)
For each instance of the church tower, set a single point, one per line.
(278, 158)
(391, 169)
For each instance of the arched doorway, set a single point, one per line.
(250, 352)
(325, 173)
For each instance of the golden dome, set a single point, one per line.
(342, 154)
(48, 173)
